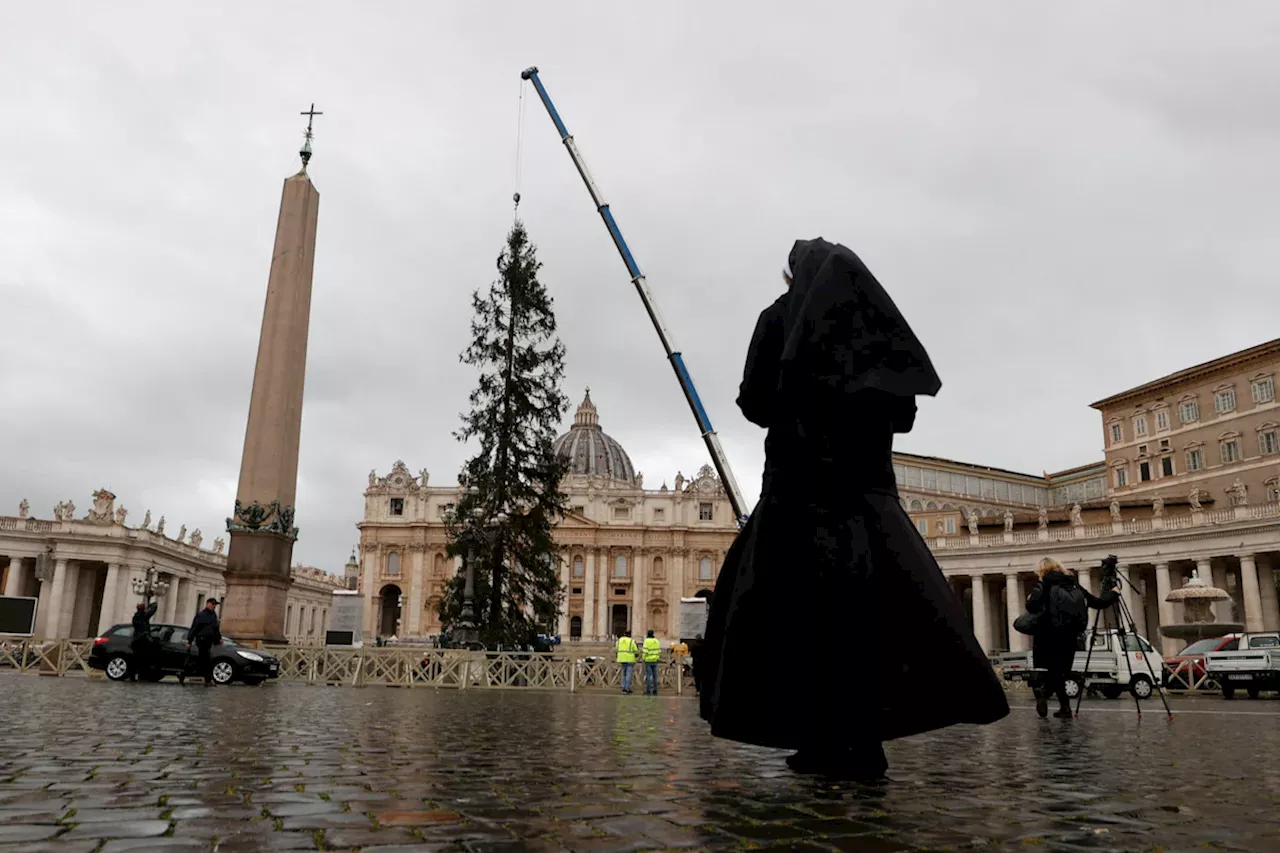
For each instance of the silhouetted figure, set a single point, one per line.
(140, 645)
(1063, 606)
(205, 633)
(832, 372)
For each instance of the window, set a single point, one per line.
(1164, 444)
(579, 509)
(1267, 442)
(397, 506)
(1133, 644)
(621, 512)
(659, 514)
(1166, 466)
(951, 526)
(393, 563)
(1189, 411)
(1264, 389)
(944, 481)
(1144, 472)
(1224, 400)
(704, 569)
(913, 476)
(620, 566)
(1122, 478)
(923, 526)
(1117, 434)
(1273, 492)
(1140, 426)
(705, 512)
(930, 479)
(1231, 451)
(1162, 420)
(577, 590)
(578, 569)
(972, 486)
(1195, 459)
(988, 489)
(1142, 450)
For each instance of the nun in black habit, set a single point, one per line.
(832, 628)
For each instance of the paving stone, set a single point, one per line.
(19, 832)
(100, 815)
(154, 845)
(122, 829)
(421, 818)
(342, 839)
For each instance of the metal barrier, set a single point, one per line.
(48, 657)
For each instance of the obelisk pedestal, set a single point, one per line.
(258, 573)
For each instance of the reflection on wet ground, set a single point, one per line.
(94, 766)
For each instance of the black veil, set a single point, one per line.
(843, 332)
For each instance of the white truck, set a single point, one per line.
(1108, 670)
(1253, 667)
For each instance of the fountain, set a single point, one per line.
(1198, 598)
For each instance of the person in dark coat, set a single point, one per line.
(832, 372)
(205, 633)
(140, 645)
(1063, 607)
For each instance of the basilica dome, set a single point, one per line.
(590, 451)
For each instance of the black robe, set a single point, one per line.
(831, 624)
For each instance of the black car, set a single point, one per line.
(113, 654)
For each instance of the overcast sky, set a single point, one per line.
(1065, 200)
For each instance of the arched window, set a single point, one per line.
(658, 569)
(931, 505)
(916, 506)
(704, 569)
(393, 563)
(620, 566)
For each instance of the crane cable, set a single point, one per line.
(519, 150)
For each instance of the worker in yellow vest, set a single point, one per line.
(652, 651)
(627, 651)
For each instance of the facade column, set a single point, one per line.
(1216, 576)
(1252, 594)
(1014, 604)
(589, 598)
(1085, 576)
(638, 616)
(1137, 604)
(1164, 586)
(82, 607)
(603, 626)
(566, 581)
(50, 616)
(981, 623)
(70, 592)
(169, 605)
(413, 619)
(13, 581)
(1270, 599)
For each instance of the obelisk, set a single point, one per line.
(258, 574)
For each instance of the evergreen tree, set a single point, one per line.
(511, 487)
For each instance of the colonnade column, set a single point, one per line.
(49, 613)
(169, 607)
(1133, 598)
(1251, 592)
(13, 581)
(1216, 577)
(418, 569)
(637, 593)
(107, 613)
(981, 622)
(1268, 594)
(603, 627)
(1014, 604)
(1163, 587)
(562, 621)
(1085, 576)
(589, 598)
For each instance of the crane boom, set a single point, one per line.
(646, 297)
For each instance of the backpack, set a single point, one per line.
(1068, 609)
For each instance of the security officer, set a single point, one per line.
(651, 653)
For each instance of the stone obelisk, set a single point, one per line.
(258, 574)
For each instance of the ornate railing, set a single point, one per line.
(48, 657)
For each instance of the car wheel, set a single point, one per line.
(1141, 687)
(118, 668)
(223, 672)
(1073, 687)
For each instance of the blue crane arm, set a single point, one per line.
(651, 307)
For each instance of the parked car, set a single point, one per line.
(1253, 667)
(1186, 669)
(113, 654)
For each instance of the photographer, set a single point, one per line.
(1061, 606)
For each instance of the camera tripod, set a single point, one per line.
(1118, 615)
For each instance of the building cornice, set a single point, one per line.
(1199, 371)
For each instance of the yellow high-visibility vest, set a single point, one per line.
(652, 650)
(627, 650)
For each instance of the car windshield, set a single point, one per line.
(1201, 647)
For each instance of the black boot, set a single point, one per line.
(1063, 713)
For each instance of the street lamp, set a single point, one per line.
(465, 632)
(150, 586)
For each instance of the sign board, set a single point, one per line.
(339, 638)
(17, 615)
(693, 618)
(346, 618)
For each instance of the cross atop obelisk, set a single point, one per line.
(305, 152)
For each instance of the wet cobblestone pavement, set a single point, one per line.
(93, 766)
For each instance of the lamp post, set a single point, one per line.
(150, 586)
(465, 632)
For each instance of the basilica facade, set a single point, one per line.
(628, 553)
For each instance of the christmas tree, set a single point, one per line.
(511, 493)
